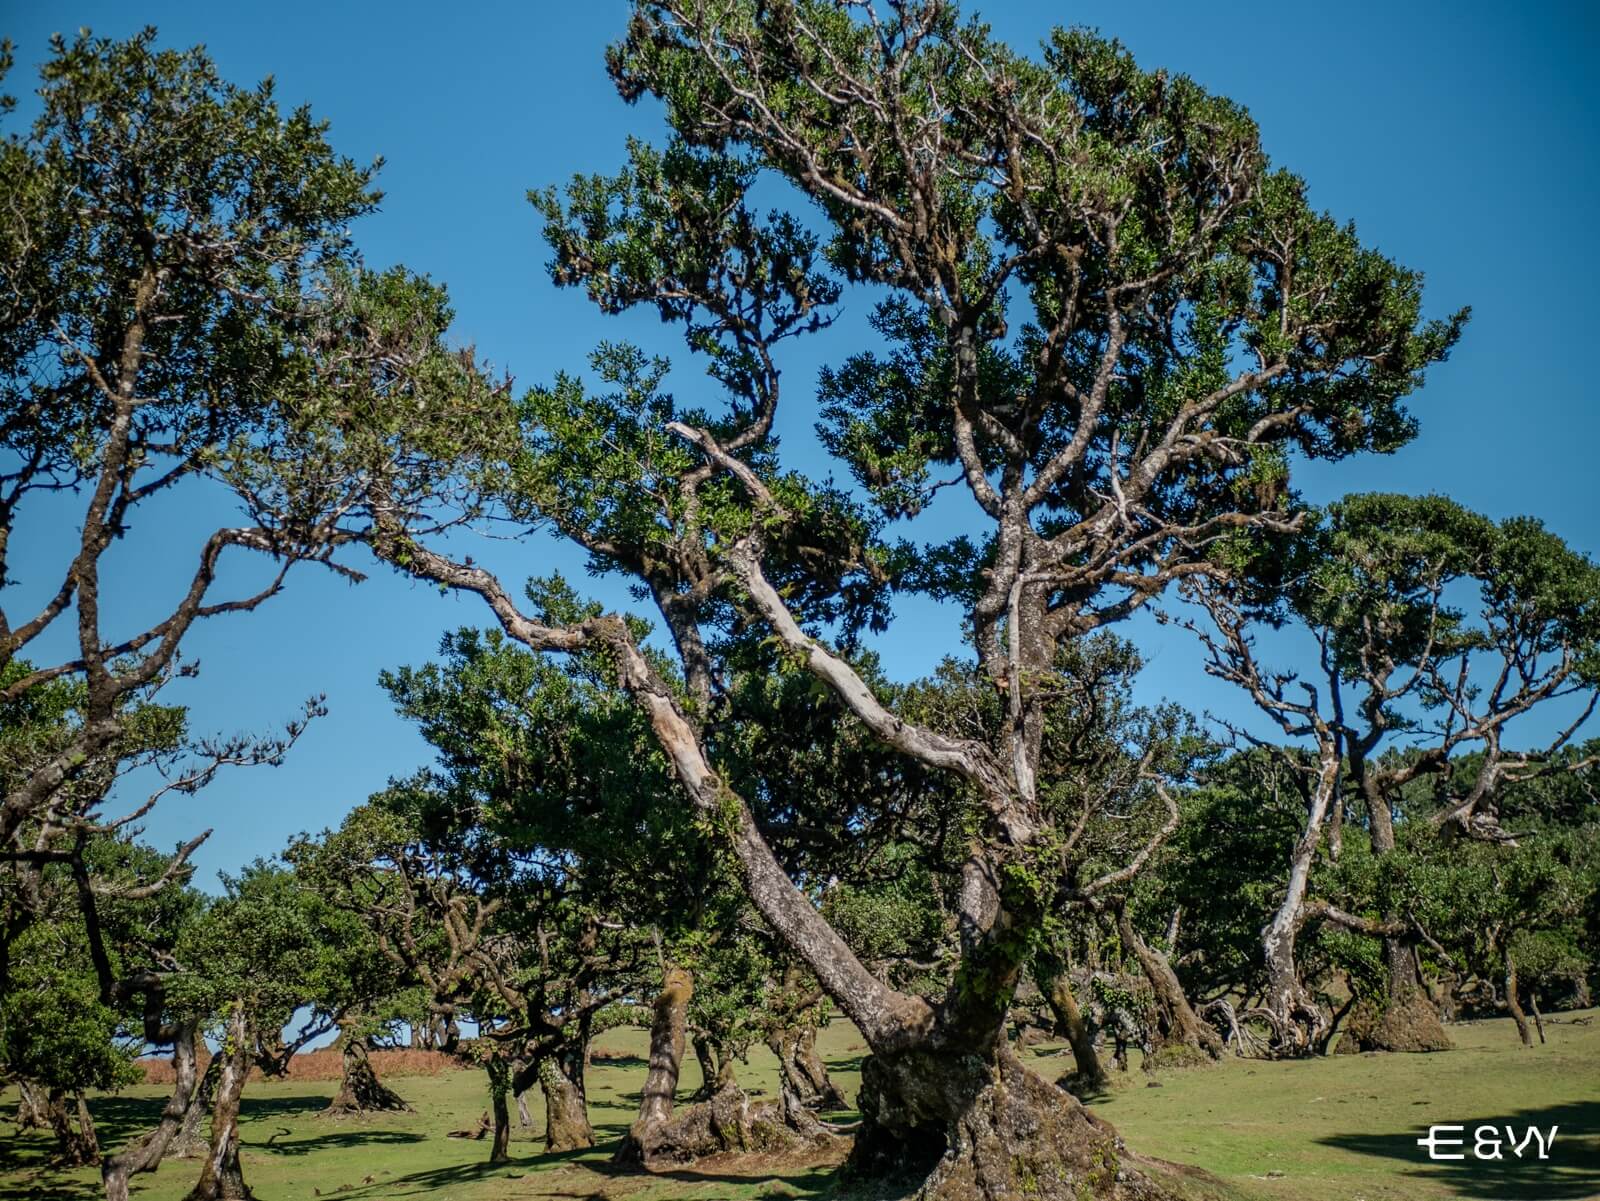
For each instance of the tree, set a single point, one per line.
(247, 962)
(1105, 313)
(1435, 628)
(160, 234)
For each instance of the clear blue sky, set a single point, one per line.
(1461, 139)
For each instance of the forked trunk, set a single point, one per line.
(667, 1026)
(360, 1090)
(221, 1178)
(1090, 1073)
(191, 1140)
(69, 1120)
(566, 1111)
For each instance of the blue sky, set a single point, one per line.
(1459, 138)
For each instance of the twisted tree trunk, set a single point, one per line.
(1182, 1026)
(144, 1154)
(360, 1090)
(221, 1178)
(801, 1069)
(33, 1111)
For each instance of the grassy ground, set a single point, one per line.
(1338, 1129)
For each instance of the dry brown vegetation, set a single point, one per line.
(325, 1065)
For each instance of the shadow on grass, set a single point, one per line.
(814, 1181)
(1571, 1172)
(340, 1138)
(427, 1181)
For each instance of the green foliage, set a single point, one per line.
(55, 1028)
(148, 185)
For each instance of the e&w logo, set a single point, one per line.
(1487, 1143)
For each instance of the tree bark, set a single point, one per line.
(1297, 1019)
(824, 1093)
(524, 1118)
(1412, 1019)
(1091, 1073)
(667, 1027)
(800, 1068)
(500, 1088)
(1182, 1025)
(1514, 1002)
(705, 1053)
(33, 1111)
(221, 1178)
(360, 1090)
(76, 1144)
(191, 1140)
(566, 1110)
(144, 1154)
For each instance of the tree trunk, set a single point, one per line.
(360, 1090)
(1514, 1002)
(661, 1081)
(705, 1053)
(1069, 1021)
(144, 1154)
(733, 1121)
(1538, 1018)
(32, 1110)
(800, 1068)
(221, 1178)
(566, 1111)
(1182, 1026)
(500, 1088)
(524, 1118)
(76, 1143)
(191, 1140)
(1297, 1020)
(1410, 1021)
(986, 1127)
(824, 1095)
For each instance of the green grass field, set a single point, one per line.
(1338, 1129)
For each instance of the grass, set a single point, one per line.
(1338, 1129)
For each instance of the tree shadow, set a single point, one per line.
(261, 1109)
(119, 1118)
(341, 1138)
(457, 1175)
(1572, 1171)
(56, 1186)
(618, 1061)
